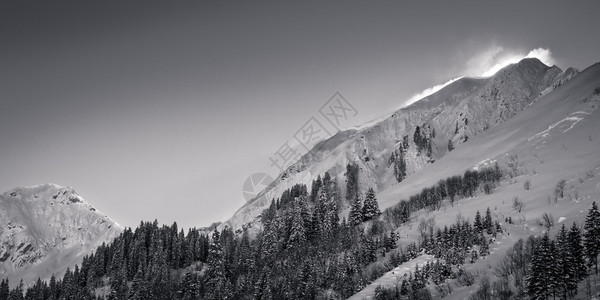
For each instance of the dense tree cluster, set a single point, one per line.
(454, 244)
(398, 162)
(143, 258)
(449, 188)
(414, 285)
(365, 212)
(544, 268)
(423, 139)
(557, 266)
(303, 251)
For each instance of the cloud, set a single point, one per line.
(428, 91)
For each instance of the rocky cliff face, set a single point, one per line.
(46, 228)
(463, 109)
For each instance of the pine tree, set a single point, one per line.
(352, 181)
(566, 272)
(118, 284)
(297, 231)
(190, 287)
(139, 290)
(478, 224)
(368, 247)
(356, 216)
(487, 221)
(218, 286)
(389, 243)
(4, 289)
(418, 139)
(577, 252)
(541, 280)
(399, 164)
(370, 208)
(484, 248)
(53, 288)
(16, 293)
(314, 188)
(592, 236)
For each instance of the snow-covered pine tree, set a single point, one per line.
(356, 217)
(297, 231)
(564, 262)
(484, 248)
(540, 281)
(4, 290)
(218, 286)
(591, 237)
(577, 251)
(370, 208)
(487, 221)
(478, 224)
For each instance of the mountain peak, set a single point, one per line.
(531, 61)
(48, 225)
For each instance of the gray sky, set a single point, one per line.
(162, 110)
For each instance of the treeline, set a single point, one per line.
(450, 188)
(304, 251)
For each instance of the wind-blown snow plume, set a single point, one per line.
(486, 64)
(491, 60)
(428, 91)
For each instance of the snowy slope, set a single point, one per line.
(570, 108)
(458, 112)
(46, 228)
(394, 276)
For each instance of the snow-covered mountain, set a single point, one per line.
(46, 228)
(456, 113)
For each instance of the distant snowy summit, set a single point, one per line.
(46, 228)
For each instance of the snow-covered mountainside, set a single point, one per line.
(453, 115)
(46, 228)
(555, 138)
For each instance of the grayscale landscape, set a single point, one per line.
(314, 150)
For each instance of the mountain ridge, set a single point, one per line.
(462, 109)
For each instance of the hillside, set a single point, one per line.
(47, 228)
(455, 114)
(553, 139)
